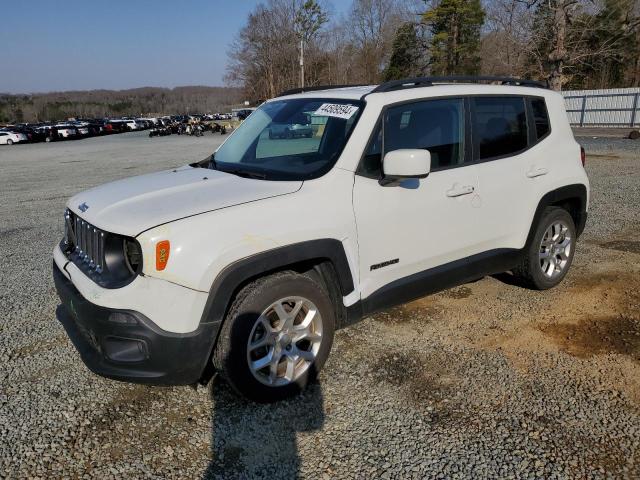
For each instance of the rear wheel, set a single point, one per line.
(276, 337)
(547, 259)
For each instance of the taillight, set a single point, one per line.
(583, 156)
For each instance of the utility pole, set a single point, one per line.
(301, 62)
(309, 18)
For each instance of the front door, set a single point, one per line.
(418, 224)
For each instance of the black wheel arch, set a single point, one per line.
(301, 257)
(324, 259)
(572, 198)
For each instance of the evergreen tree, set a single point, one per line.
(455, 36)
(405, 54)
(613, 25)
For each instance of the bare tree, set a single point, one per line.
(561, 42)
(507, 33)
(373, 24)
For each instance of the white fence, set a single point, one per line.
(614, 107)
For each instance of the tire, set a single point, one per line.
(9, 142)
(47, 139)
(246, 319)
(546, 260)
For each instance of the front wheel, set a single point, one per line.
(276, 337)
(9, 142)
(547, 259)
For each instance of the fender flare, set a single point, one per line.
(235, 274)
(568, 192)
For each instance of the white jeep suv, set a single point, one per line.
(246, 262)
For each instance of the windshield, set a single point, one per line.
(289, 139)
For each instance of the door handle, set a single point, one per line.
(537, 172)
(459, 191)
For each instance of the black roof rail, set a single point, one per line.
(294, 91)
(429, 81)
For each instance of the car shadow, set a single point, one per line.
(251, 440)
(509, 279)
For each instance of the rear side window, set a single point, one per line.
(540, 117)
(500, 126)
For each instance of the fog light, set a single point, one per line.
(125, 349)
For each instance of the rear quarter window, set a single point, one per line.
(540, 117)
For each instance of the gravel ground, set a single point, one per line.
(484, 380)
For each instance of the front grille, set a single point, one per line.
(84, 242)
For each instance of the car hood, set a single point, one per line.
(133, 205)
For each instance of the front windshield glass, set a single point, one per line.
(294, 139)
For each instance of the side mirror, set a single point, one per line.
(399, 165)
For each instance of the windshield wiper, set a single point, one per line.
(205, 163)
(246, 173)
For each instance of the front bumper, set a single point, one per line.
(126, 345)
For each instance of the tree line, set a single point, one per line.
(147, 101)
(572, 44)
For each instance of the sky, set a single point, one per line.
(50, 45)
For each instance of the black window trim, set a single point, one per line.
(535, 137)
(471, 138)
(468, 147)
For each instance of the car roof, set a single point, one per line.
(347, 93)
(435, 90)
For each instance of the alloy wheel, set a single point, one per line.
(555, 249)
(284, 341)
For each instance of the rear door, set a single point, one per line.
(420, 223)
(508, 169)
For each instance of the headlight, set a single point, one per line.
(133, 255)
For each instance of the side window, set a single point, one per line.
(540, 117)
(434, 125)
(500, 126)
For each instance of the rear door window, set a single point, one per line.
(500, 126)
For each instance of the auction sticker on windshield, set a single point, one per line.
(337, 110)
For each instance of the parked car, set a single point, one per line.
(64, 131)
(243, 114)
(246, 263)
(82, 129)
(11, 137)
(30, 133)
(290, 130)
(116, 126)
